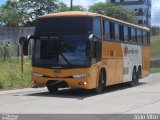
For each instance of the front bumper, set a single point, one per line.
(72, 82)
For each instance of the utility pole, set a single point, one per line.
(71, 7)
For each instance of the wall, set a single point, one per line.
(12, 34)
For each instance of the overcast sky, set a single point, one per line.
(86, 3)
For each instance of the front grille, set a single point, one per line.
(57, 83)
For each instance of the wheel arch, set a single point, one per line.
(104, 71)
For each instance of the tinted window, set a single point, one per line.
(112, 31)
(139, 36)
(145, 37)
(63, 26)
(121, 29)
(96, 27)
(126, 34)
(106, 29)
(133, 35)
(116, 31)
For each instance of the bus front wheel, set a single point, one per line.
(52, 89)
(101, 83)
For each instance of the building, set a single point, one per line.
(141, 7)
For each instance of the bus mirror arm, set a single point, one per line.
(30, 37)
(91, 36)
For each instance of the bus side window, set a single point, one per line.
(121, 29)
(106, 30)
(116, 27)
(145, 37)
(112, 31)
(96, 43)
(129, 35)
(139, 36)
(133, 35)
(96, 27)
(126, 34)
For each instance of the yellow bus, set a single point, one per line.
(89, 51)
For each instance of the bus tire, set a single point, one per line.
(135, 78)
(138, 76)
(139, 73)
(101, 83)
(52, 89)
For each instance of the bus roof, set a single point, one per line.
(89, 14)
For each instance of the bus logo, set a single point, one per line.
(57, 73)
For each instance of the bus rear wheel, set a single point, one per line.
(101, 83)
(135, 78)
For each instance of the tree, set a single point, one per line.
(25, 12)
(11, 17)
(63, 7)
(112, 10)
(36, 8)
(155, 30)
(78, 8)
(8, 18)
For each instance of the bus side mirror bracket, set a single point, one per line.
(30, 37)
(91, 36)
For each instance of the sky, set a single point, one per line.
(86, 3)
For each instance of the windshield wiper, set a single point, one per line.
(65, 59)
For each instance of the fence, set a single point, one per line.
(155, 64)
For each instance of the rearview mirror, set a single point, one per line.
(22, 40)
(24, 43)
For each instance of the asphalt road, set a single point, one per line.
(118, 99)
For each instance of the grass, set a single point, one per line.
(155, 51)
(11, 76)
(155, 70)
(155, 47)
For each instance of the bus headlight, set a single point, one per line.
(37, 74)
(80, 75)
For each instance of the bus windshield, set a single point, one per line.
(66, 43)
